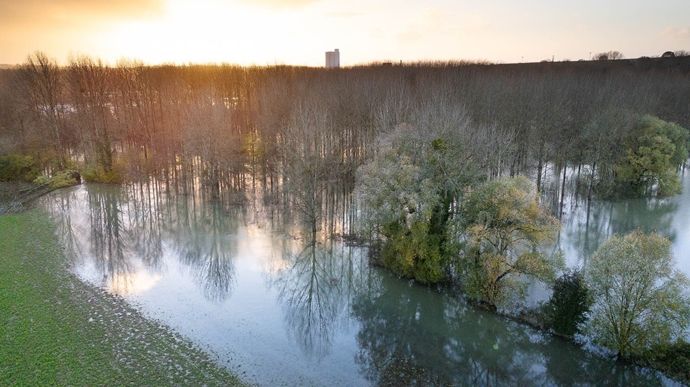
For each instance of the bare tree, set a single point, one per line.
(91, 92)
(609, 55)
(43, 87)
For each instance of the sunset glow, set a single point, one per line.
(344, 193)
(299, 31)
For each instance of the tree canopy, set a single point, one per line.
(567, 309)
(408, 190)
(639, 295)
(505, 227)
(654, 152)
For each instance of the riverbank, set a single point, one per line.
(15, 196)
(55, 329)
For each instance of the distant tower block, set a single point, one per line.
(333, 59)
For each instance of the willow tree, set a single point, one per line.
(640, 299)
(504, 227)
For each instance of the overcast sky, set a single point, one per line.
(299, 31)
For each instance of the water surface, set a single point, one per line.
(239, 279)
(581, 235)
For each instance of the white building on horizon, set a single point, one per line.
(333, 59)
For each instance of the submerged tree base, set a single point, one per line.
(673, 360)
(55, 329)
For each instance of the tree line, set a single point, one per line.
(224, 122)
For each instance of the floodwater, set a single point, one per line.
(240, 281)
(580, 236)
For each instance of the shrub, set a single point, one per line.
(16, 167)
(569, 303)
(414, 252)
(99, 175)
(61, 179)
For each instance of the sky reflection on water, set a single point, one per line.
(278, 309)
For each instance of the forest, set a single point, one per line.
(224, 122)
(445, 169)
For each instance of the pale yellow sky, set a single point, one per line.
(299, 31)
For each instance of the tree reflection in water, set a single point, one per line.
(110, 235)
(315, 288)
(203, 239)
(405, 334)
(583, 233)
(59, 210)
(124, 230)
(142, 207)
(408, 337)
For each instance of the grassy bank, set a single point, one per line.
(54, 329)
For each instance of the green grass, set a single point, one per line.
(55, 329)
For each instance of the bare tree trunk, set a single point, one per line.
(540, 168)
(565, 170)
